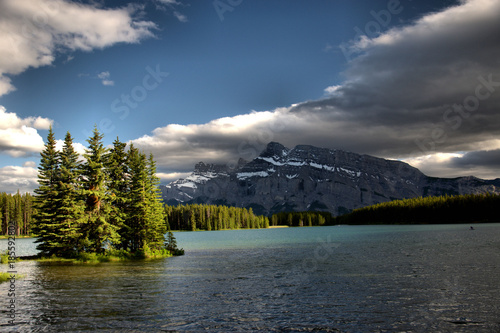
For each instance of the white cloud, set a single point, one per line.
(41, 123)
(105, 78)
(180, 17)
(9, 120)
(29, 164)
(18, 136)
(19, 142)
(33, 32)
(79, 148)
(5, 85)
(177, 148)
(445, 165)
(13, 178)
(169, 177)
(332, 89)
(435, 164)
(171, 4)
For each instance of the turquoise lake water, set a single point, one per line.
(441, 278)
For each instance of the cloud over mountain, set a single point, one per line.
(427, 88)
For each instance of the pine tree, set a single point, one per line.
(70, 213)
(171, 244)
(3, 206)
(145, 225)
(98, 231)
(192, 221)
(118, 186)
(18, 212)
(135, 237)
(155, 225)
(45, 200)
(207, 218)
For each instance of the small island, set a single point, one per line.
(104, 208)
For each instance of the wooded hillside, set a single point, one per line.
(429, 210)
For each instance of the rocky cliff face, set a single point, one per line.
(311, 178)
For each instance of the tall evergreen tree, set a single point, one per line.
(27, 213)
(118, 185)
(155, 226)
(70, 214)
(98, 231)
(3, 203)
(45, 199)
(18, 212)
(145, 224)
(137, 209)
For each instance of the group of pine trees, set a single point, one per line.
(108, 201)
(470, 208)
(210, 217)
(302, 219)
(17, 209)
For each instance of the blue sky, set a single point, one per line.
(216, 80)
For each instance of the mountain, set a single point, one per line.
(316, 179)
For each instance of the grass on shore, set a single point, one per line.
(4, 257)
(108, 256)
(20, 236)
(92, 258)
(4, 277)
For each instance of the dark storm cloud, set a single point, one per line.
(406, 82)
(484, 158)
(429, 87)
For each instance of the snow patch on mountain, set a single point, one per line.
(245, 175)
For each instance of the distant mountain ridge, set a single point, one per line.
(311, 178)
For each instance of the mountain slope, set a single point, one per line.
(312, 178)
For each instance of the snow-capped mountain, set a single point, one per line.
(311, 178)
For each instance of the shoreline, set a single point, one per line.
(20, 236)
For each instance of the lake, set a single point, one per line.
(431, 278)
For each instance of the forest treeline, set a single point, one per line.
(21, 209)
(302, 219)
(16, 208)
(470, 208)
(210, 217)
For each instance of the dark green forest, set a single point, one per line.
(17, 208)
(210, 217)
(21, 208)
(468, 208)
(302, 219)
